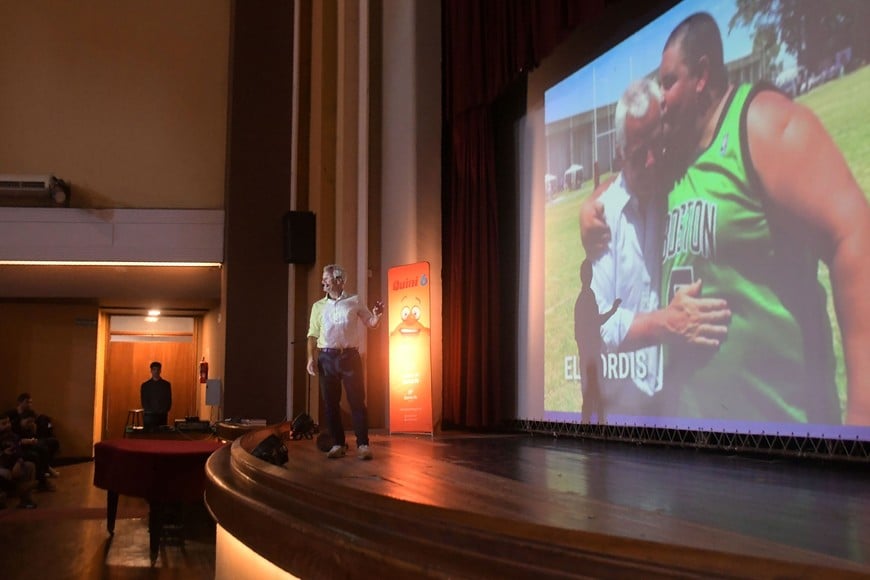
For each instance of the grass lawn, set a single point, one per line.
(841, 105)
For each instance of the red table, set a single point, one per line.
(163, 471)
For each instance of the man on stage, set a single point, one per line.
(335, 332)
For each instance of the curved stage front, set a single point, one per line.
(520, 506)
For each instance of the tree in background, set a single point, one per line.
(813, 31)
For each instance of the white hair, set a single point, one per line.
(635, 102)
(335, 270)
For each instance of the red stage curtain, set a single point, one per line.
(488, 44)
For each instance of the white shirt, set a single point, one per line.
(339, 323)
(629, 270)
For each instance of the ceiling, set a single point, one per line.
(114, 286)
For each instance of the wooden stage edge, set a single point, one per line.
(519, 506)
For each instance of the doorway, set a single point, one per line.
(134, 343)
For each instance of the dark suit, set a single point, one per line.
(156, 401)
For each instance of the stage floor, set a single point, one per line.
(781, 509)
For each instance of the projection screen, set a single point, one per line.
(721, 210)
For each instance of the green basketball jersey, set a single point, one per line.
(776, 363)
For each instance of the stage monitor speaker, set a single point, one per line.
(299, 237)
(271, 449)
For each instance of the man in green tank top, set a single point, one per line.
(764, 196)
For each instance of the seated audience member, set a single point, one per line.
(17, 476)
(44, 429)
(38, 451)
(24, 403)
(45, 434)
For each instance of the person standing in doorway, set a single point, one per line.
(335, 332)
(156, 395)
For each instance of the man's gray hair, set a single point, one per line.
(336, 271)
(635, 103)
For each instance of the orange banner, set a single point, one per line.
(409, 319)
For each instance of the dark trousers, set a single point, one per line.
(38, 455)
(590, 377)
(336, 368)
(154, 419)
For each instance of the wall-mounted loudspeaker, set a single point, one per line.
(299, 237)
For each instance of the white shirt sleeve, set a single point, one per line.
(604, 285)
(605, 276)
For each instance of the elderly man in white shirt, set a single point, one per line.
(335, 332)
(629, 269)
(628, 213)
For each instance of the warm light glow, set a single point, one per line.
(110, 264)
(410, 349)
(408, 357)
(150, 319)
(153, 313)
(236, 561)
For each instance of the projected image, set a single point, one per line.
(707, 223)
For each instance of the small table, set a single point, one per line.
(162, 471)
